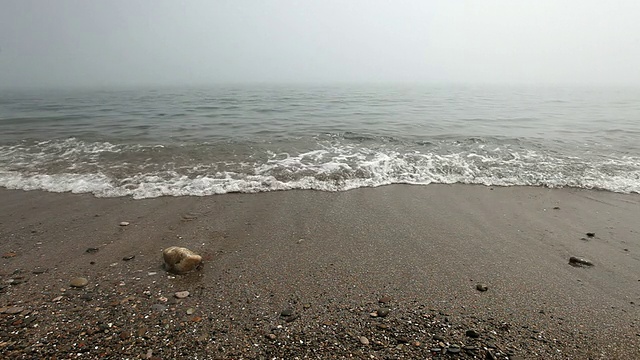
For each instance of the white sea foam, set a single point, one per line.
(79, 167)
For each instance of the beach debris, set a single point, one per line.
(591, 234)
(92, 250)
(181, 294)
(124, 223)
(384, 299)
(556, 208)
(363, 340)
(127, 258)
(191, 311)
(78, 282)
(180, 260)
(482, 287)
(9, 255)
(579, 262)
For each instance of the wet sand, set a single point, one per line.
(326, 258)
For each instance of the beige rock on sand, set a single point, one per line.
(180, 260)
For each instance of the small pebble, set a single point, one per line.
(472, 334)
(271, 336)
(286, 312)
(158, 307)
(383, 312)
(482, 287)
(454, 349)
(92, 250)
(579, 262)
(127, 258)
(363, 340)
(181, 294)
(384, 299)
(14, 310)
(124, 223)
(190, 311)
(79, 282)
(590, 234)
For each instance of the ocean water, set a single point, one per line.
(204, 141)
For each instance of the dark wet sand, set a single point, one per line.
(329, 257)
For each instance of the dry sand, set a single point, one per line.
(326, 258)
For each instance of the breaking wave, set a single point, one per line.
(332, 163)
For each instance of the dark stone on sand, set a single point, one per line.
(158, 307)
(402, 340)
(18, 280)
(291, 318)
(579, 262)
(39, 271)
(286, 312)
(127, 258)
(141, 331)
(482, 287)
(384, 299)
(383, 312)
(92, 250)
(454, 349)
(472, 334)
(438, 338)
(556, 208)
(590, 234)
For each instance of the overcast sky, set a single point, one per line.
(162, 42)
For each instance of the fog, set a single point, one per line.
(154, 43)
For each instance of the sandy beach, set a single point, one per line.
(379, 273)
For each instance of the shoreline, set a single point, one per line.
(329, 258)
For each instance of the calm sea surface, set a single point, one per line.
(205, 141)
